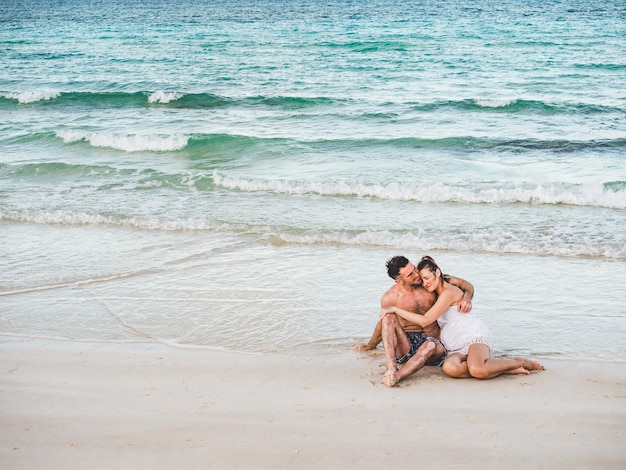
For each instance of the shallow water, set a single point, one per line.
(193, 289)
(236, 175)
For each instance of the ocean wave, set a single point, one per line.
(106, 177)
(56, 170)
(206, 144)
(164, 97)
(610, 195)
(469, 143)
(126, 142)
(465, 143)
(518, 105)
(491, 240)
(194, 100)
(618, 67)
(159, 98)
(239, 143)
(26, 97)
(486, 242)
(369, 46)
(118, 99)
(494, 102)
(202, 144)
(62, 217)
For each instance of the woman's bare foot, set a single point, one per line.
(518, 371)
(390, 378)
(530, 365)
(526, 368)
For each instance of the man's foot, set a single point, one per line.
(390, 378)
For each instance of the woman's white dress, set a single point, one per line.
(460, 330)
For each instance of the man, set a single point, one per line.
(408, 345)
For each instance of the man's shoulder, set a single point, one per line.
(397, 294)
(392, 293)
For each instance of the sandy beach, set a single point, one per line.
(198, 201)
(86, 406)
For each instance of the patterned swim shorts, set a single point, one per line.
(416, 340)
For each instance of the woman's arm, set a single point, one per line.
(408, 316)
(448, 297)
(465, 304)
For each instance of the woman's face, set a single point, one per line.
(430, 280)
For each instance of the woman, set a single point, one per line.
(465, 336)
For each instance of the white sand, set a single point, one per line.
(85, 406)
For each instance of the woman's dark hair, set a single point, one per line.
(394, 265)
(428, 262)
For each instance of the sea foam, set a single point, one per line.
(164, 97)
(590, 194)
(126, 142)
(494, 102)
(25, 97)
(549, 242)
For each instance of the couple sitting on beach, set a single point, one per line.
(425, 319)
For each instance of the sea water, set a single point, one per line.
(234, 174)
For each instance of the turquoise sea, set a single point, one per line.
(234, 174)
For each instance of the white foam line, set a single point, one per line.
(69, 340)
(126, 325)
(171, 299)
(67, 284)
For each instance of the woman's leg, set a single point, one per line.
(481, 366)
(455, 366)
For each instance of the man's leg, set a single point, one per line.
(427, 351)
(395, 342)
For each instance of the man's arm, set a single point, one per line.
(377, 337)
(465, 304)
(387, 300)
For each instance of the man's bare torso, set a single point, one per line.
(416, 299)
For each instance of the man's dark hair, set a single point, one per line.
(394, 265)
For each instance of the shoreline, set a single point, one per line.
(85, 405)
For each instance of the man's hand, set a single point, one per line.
(361, 347)
(464, 305)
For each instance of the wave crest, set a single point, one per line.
(164, 97)
(494, 102)
(610, 195)
(26, 97)
(544, 243)
(479, 242)
(126, 142)
(191, 100)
